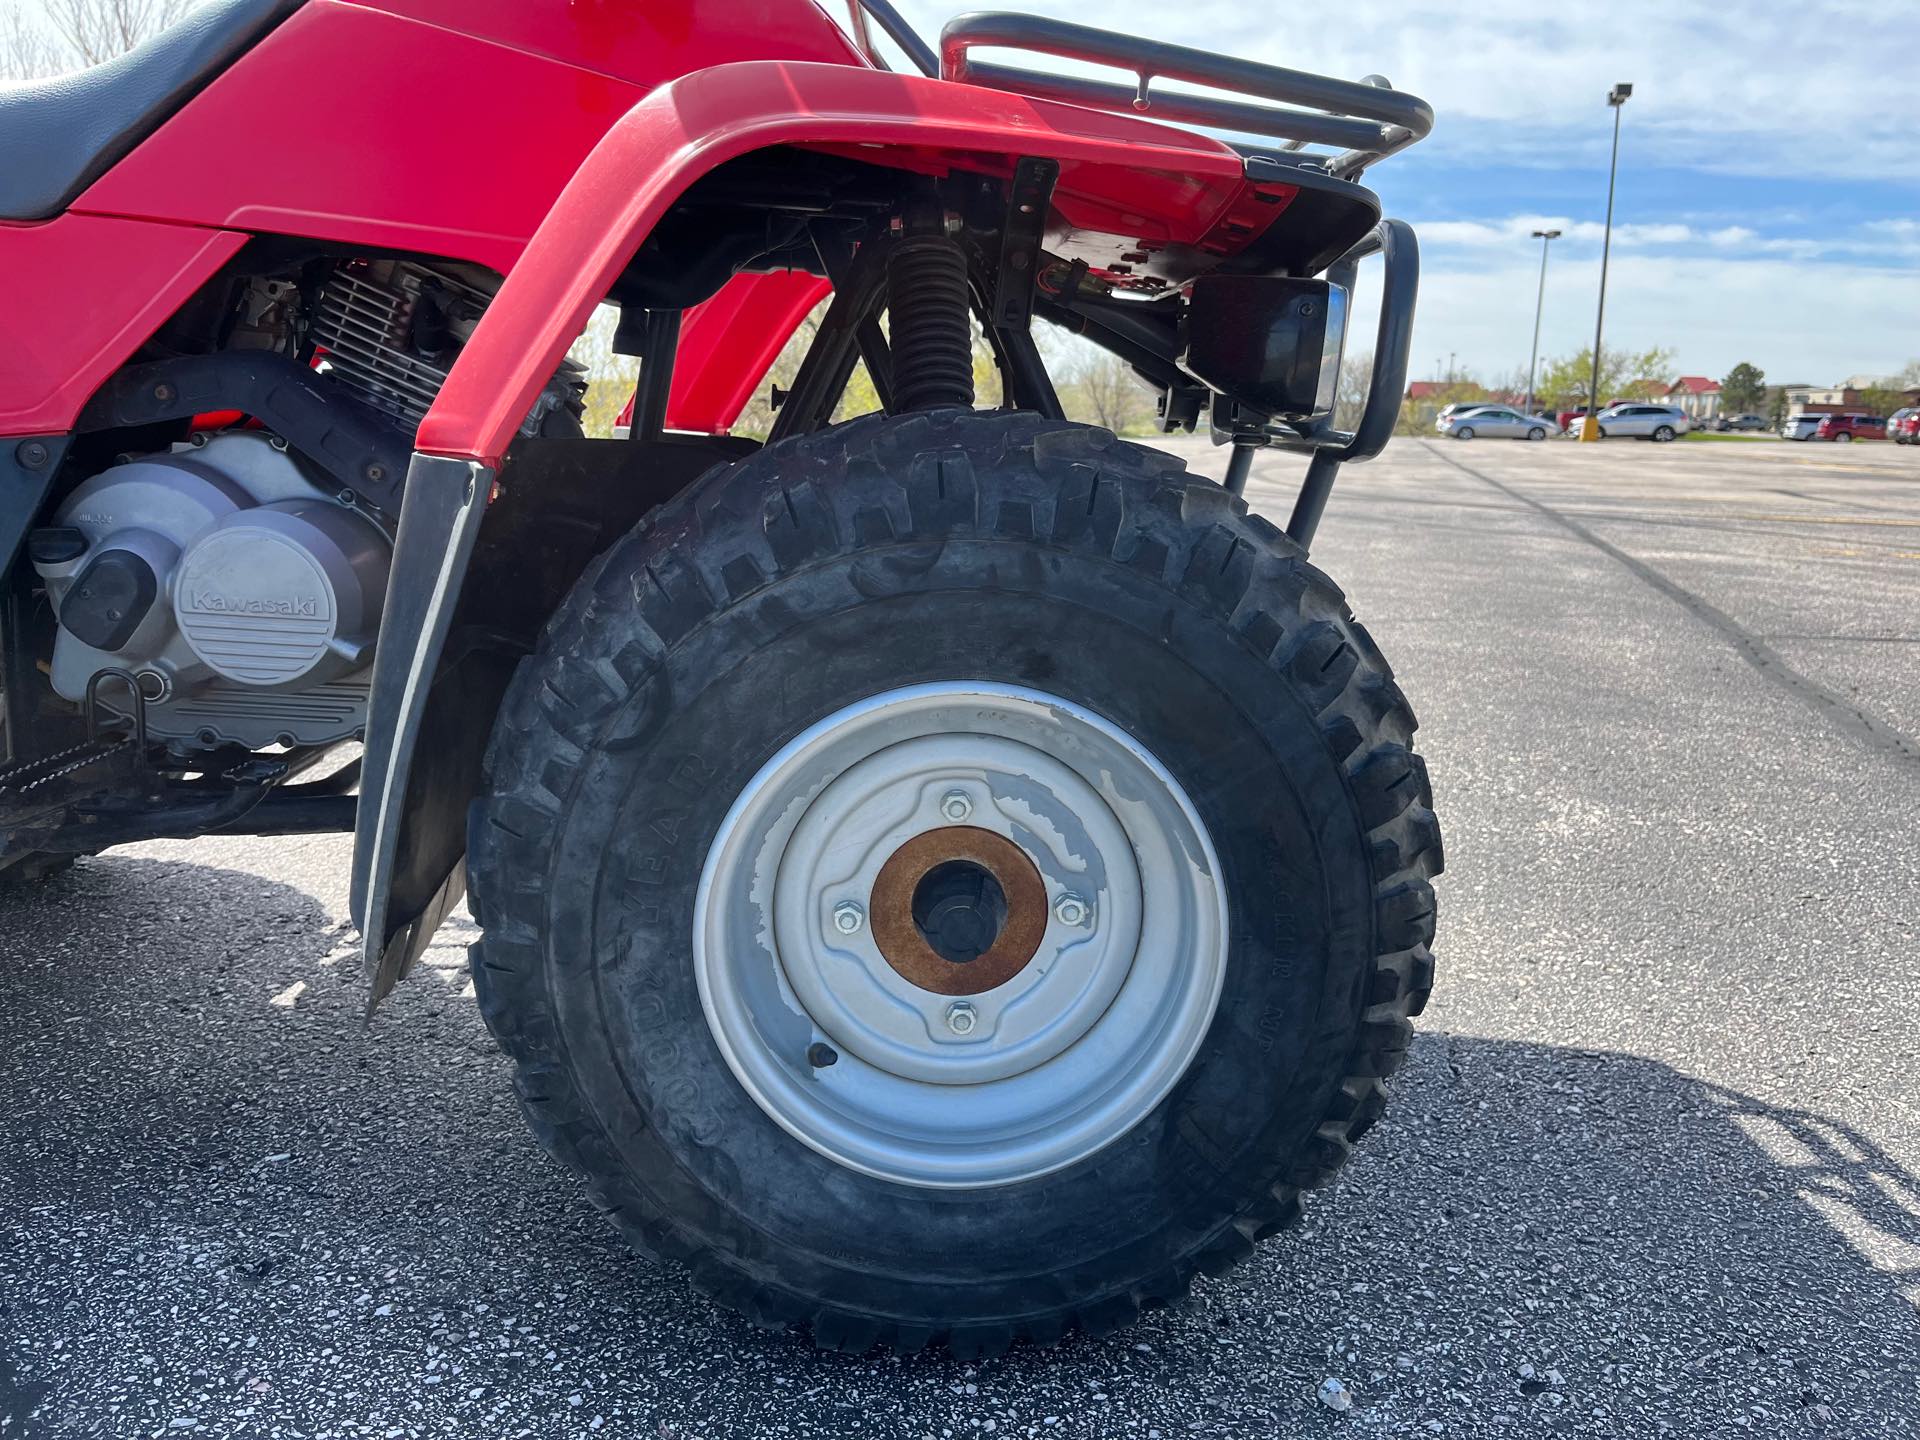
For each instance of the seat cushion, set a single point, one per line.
(58, 136)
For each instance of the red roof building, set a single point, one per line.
(1697, 395)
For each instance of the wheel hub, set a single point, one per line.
(958, 910)
(1001, 996)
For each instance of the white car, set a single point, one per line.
(1637, 420)
(1495, 420)
(1800, 427)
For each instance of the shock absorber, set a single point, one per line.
(927, 328)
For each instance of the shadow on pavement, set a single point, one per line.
(220, 1214)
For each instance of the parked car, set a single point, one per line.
(1565, 418)
(1496, 421)
(1844, 428)
(1800, 427)
(1903, 426)
(1456, 407)
(1638, 421)
(1740, 422)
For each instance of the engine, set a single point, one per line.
(227, 575)
(389, 330)
(243, 597)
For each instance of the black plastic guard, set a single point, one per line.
(405, 883)
(447, 650)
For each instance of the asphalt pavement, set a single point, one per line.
(1654, 1167)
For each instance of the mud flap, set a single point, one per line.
(402, 887)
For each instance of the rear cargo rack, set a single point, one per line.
(1360, 121)
(1368, 118)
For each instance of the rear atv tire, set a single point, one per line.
(1001, 615)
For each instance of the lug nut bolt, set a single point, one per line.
(955, 805)
(1072, 910)
(848, 917)
(961, 1018)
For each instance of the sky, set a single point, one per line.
(1768, 206)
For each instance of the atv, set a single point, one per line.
(948, 875)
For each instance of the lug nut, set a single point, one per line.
(961, 1018)
(1072, 910)
(955, 805)
(848, 917)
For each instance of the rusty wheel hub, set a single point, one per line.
(958, 910)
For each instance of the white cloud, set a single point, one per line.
(1892, 242)
(1796, 323)
(1747, 89)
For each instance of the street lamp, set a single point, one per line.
(1546, 238)
(1616, 98)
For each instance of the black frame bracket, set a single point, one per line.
(357, 447)
(1029, 196)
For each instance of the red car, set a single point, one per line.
(1851, 427)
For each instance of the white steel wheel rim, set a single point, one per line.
(1057, 1061)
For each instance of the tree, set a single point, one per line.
(78, 33)
(1893, 393)
(1102, 389)
(1743, 389)
(1417, 416)
(1350, 394)
(1776, 404)
(1623, 373)
(26, 51)
(1885, 398)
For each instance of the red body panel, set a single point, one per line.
(1182, 183)
(729, 343)
(445, 127)
(429, 136)
(449, 128)
(78, 294)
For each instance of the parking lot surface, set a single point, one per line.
(1652, 1169)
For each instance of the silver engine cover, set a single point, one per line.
(268, 595)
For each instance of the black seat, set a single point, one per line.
(58, 136)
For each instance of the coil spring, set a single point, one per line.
(927, 326)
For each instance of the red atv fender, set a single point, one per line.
(1118, 175)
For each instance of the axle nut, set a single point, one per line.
(961, 1018)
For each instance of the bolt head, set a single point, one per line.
(848, 917)
(955, 805)
(1072, 910)
(961, 1018)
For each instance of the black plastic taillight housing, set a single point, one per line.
(1270, 342)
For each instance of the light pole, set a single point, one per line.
(1546, 238)
(1616, 98)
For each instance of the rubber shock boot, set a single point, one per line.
(928, 326)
